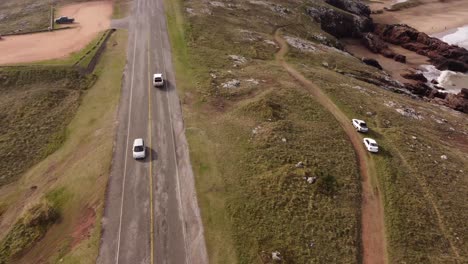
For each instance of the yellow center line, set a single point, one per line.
(151, 160)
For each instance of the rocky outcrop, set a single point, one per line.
(351, 6)
(443, 55)
(420, 89)
(340, 24)
(375, 44)
(414, 76)
(351, 19)
(372, 62)
(457, 101)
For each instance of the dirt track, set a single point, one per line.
(91, 18)
(372, 223)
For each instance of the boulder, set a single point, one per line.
(457, 102)
(375, 44)
(464, 93)
(420, 89)
(400, 58)
(414, 76)
(442, 64)
(372, 62)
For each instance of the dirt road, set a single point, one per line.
(372, 223)
(91, 18)
(151, 213)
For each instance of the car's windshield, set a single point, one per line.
(373, 144)
(138, 148)
(157, 79)
(363, 125)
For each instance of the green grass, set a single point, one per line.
(28, 229)
(29, 92)
(121, 8)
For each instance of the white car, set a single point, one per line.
(139, 150)
(158, 80)
(371, 145)
(360, 125)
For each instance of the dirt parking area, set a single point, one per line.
(90, 19)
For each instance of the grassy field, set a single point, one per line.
(423, 192)
(27, 93)
(246, 141)
(27, 15)
(74, 177)
(254, 200)
(24, 15)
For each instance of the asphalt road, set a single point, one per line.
(151, 213)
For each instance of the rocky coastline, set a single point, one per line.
(352, 19)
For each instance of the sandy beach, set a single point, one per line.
(431, 17)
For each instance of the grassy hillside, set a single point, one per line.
(36, 103)
(249, 124)
(72, 179)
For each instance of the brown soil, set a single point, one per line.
(84, 227)
(372, 223)
(91, 18)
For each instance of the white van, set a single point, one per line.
(158, 80)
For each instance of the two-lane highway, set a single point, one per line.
(151, 213)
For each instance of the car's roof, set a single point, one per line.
(138, 142)
(157, 75)
(370, 140)
(358, 120)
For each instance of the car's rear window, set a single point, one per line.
(363, 125)
(157, 79)
(373, 144)
(139, 148)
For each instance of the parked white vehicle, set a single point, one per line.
(371, 145)
(360, 125)
(158, 80)
(139, 150)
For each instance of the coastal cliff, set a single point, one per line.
(352, 19)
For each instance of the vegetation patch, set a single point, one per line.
(27, 230)
(36, 103)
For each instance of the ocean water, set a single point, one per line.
(459, 37)
(451, 81)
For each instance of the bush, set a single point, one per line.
(327, 184)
